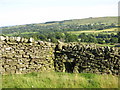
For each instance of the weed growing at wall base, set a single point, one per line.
(59, 80)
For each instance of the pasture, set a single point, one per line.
(59, 80)
(105, 31)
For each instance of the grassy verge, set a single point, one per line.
(59, 80)
(103, 45)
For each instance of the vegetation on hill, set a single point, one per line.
(98, 30)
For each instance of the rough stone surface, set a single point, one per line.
(31, 40)
(20, 56)
(18, 39)
(2, 38)
(78, 58)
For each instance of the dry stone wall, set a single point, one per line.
(78, 58)
(21, 55)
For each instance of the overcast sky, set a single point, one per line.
(17, 12)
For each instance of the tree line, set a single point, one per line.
(83, 37)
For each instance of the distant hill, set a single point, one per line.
(98, 23)
(93, 20)
(102, 30)
(89, 20)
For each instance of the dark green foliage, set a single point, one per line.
(42, 37)
(87, 38)
(99, 38)
(54, 40)
(71, 38)
(118, 37)
(114, 40)
(59, 35)
(101, 41)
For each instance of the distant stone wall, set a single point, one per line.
(21, 55)
(78, 58)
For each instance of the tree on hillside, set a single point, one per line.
(71, 38)
(114, 40)
(100, 41)
(59, 35)
(42, 37)
(118, 37)
(54, 40)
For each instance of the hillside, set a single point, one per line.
(44, 31)
(107, 21)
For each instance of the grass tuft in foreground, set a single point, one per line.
(59, 80)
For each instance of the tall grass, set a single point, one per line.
(59, 80)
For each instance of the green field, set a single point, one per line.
(105, 31)
(28, 32)
(59, 80)
(21, 33)
(103, 45)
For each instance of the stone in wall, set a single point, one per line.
(21, 55)
(80, 58)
